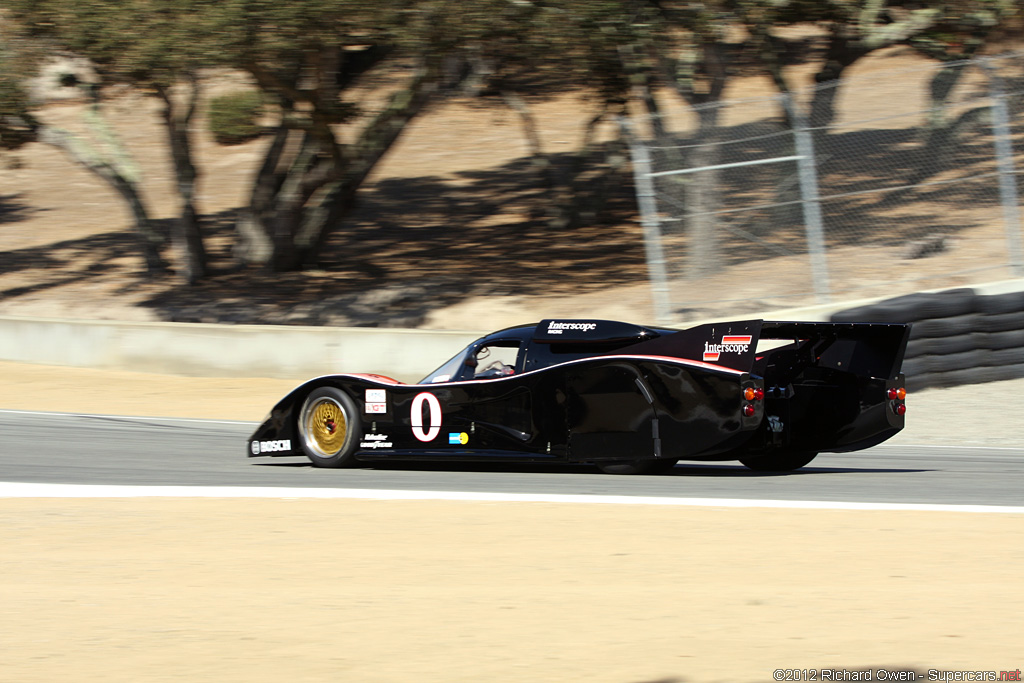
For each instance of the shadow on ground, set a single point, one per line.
(683, 469)
(411, 246)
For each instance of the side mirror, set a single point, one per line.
(471, 361)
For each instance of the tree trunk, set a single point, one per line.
(851, 42)
(360, 158)
(701, 198)
(579, 196)
(840, 54)
(556, 206)
(940, 136)
(700, 189)
(942, 131)
(308, 173)
(186, 235)
(540, 162)
(255, 244)
(150, 241)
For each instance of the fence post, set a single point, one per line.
(1004, 161)
(811, 204)
(651, 224)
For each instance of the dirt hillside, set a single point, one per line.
(446, 235)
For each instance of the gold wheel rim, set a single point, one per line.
(325, 427)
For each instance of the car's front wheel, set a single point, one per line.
(328, 428)
(779, 461)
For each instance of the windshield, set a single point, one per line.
(480, 360)
(449, 370)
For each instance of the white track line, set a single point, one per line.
(34, 490)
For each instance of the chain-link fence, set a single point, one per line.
(878, 185)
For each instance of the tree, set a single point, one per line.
(155, 46)
(854, 28)
(960, 33)
(690, 48)
(954, 29)
(102, 155)
(529, 51)
(16, 121)
(948, 31)
(305, 57)
(621, 50)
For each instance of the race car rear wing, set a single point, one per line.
(864, 349)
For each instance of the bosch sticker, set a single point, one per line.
(276, 446)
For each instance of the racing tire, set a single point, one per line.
(660, 466)
(1004, 322)
(913, 307)
(1012, 356)
(943, 346)
(997, 304)
(949, 327)
(1001, 340)
(328, 428)
(913, 367)
(955, 361)
(779, 461)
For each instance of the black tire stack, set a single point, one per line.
(958, 336)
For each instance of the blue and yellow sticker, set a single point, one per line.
(458, 438)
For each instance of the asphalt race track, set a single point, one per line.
(87, 449)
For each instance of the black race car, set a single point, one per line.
(627, 398)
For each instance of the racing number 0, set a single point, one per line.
(434, 408)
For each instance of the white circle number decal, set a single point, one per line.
(434, 407)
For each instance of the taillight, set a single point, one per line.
(752, 394)
(896, 397)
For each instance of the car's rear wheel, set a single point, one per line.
(328, 428)
(779, 461)
(637, 466)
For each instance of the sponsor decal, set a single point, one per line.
(557, 327)
(731, 343)
(458, 438)
(434, 418)
(372, 441)
(278, 446)
(376, 401)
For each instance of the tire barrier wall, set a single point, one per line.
(958, 336)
